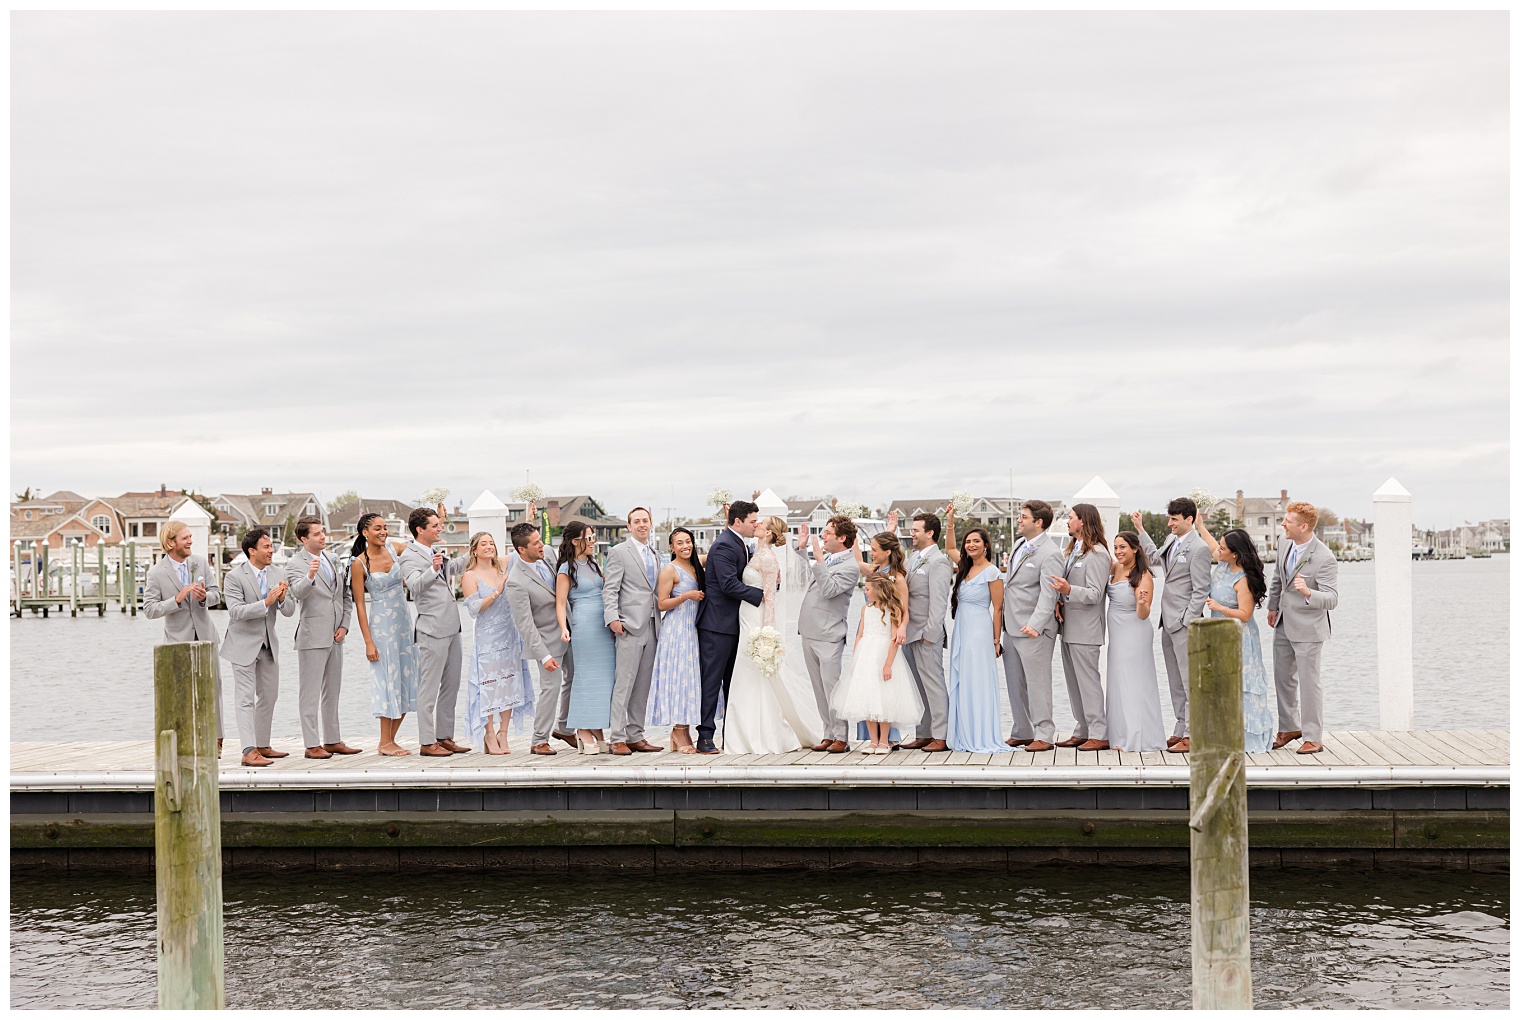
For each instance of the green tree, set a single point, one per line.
(1154, 524)
(1218, 520)
(342, 500)
(204, 502)
(24, 495)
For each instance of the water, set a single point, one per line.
(1052, 937)
(102, 668)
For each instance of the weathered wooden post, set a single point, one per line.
(1220, 850)
(130, 591)
(1394, 583)
(187, 823)
(75, 555)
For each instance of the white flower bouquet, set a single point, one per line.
(529, 493)
(851, 510)
(766, 650)
(1205, 499)
(719, 498)
(434, 496)
(962, 501)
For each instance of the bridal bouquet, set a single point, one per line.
(529, 493)
(1205, 499)
(719, 498)
(962, 501)
(767, 650)
(851, 510)
(434, 496)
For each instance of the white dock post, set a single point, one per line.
(488, 513)
(1392, 557)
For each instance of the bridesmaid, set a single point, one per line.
(1133, 703)
(1238, 585)
(386, 626)
(578, 604)
(975, 720)
(498, 676)
(675, 689)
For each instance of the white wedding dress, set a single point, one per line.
(768, 715)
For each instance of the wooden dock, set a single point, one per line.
(1437, 798)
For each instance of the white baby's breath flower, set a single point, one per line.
(851, 510)
(529, 493)
(962, 501)
(434, 496)
(719, 498)
(1204, 498)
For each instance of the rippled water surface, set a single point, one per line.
(1050, 937)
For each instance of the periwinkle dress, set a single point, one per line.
(975, 720)
(498, 674)
(675, 686)
(592, 649)
(394, 689)
(1133, 702)
(1253, 673)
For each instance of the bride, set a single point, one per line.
(768, 715)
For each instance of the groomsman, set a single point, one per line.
(821, 622)
(1083, 587)
(179, 590)
(1029, 628)
(253, 597)
(324, 602)
(1299, 600)
(930, 578)
(633, 616)
(1186, 561)
(429, 575)
(530, 596)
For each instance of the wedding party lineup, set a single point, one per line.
(587, 654)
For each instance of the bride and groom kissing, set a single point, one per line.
(748, 591)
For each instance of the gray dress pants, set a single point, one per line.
(255, 689)
(1174, 654)
(439, 661)
(1028, 668)
(552, 706)
(321, 672)
(927, 661)
(1084, 686)
(1295, 670)
(630, 685)
(824, 661)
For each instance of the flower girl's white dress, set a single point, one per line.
(863, 694)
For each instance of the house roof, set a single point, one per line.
(250, 506)
(65, 496)
(346, 517)
(145, 504)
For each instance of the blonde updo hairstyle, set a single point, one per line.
(776, 528)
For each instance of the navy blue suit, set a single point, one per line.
(718, 623)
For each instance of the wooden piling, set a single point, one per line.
(187, 827)
(1221, 901)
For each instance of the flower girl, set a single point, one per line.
(879, 688)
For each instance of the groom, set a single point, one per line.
(718, 613)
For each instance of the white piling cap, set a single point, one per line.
(1391, 492)
(486, 504)
(1096, 491)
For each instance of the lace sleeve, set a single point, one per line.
(770, 581)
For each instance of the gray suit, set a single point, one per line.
(437, 632)
(1303, 627)
(821, 623)
(325, 604)
(1082, 625)
(930, 577)
(1030, 601)
(531, 600)
(629, 595)
(187, 620)
(253, 649)
(1187, 561)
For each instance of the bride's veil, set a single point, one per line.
(794, 674)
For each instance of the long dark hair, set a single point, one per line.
(361, 544)
(892, 546)
(574, 530)
(1142, 564)
(696, 561)
(964, 567)
(1092, 528)
(1244, 549)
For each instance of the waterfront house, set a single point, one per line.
(1261, 518)
(276, 512)
(66, 516)
(343, 523)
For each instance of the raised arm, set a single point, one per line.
(239, 605)
(952, 551)
(1208, 539)
(155, 605)
(1327, 577)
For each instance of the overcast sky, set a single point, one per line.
(882, 256)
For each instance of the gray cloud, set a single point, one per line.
(875, 255)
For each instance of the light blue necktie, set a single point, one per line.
(327, 572)
(184, 573)
(913, 563)
(1292, 558)
(649, 563)
(263, 585)
(543, 571)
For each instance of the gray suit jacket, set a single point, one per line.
(1084, 608)
(929, 587)
(187, 620)
(626, 592)
(1186, 574)
(432, 595)
(324, 605)
(532, 605)
(1028, 598)
(826, 604)
(250, 623)
(1304, 618)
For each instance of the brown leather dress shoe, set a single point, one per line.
(448, 742)
(916, 745)
(254, 759)
(645, 747)
(1182, 746)
(838, 747)
(270, 752)
(1073, 742)
(1310, 747)
(1093, 745)
(1039, 745)
(1172, 740)
(935, 746)
(822, 745)
(1284, 739)
(317, 752)
(621, 748)
(436, 751)
(568, 738)
(341, 748)
(1018, 742)
(543, 748)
